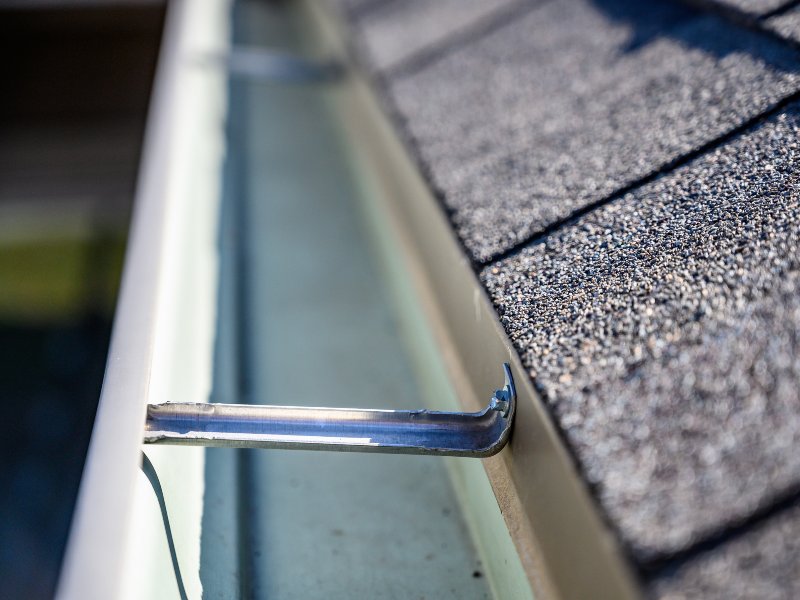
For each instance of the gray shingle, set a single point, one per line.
(573, 101)
(353, 7)
(399, 29)
(786, 25)
(664, 331)
(763, 563)
(754, 8)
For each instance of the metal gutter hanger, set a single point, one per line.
(478, 434)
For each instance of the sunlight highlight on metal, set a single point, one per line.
(477, 434)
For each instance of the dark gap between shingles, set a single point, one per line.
(729, 13)
(665, 169)
(364, 10)
(667, 564)
(471, 33)
(776, 12)
(749, 21)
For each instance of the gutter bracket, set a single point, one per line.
(477, 435)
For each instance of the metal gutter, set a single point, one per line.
(566, 548)
(96, 553)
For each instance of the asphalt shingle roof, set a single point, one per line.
(624, 176)
(664, 330)
(566, 105)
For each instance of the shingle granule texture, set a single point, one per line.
(786, 25)
(664, 331)
(754, 8)
(353, 8)
(764, 563)
(573, 101)
(397, 30)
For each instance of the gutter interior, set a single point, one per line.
(305, 319)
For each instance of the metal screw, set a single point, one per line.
(501, 401)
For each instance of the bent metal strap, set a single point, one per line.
(478, 434)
